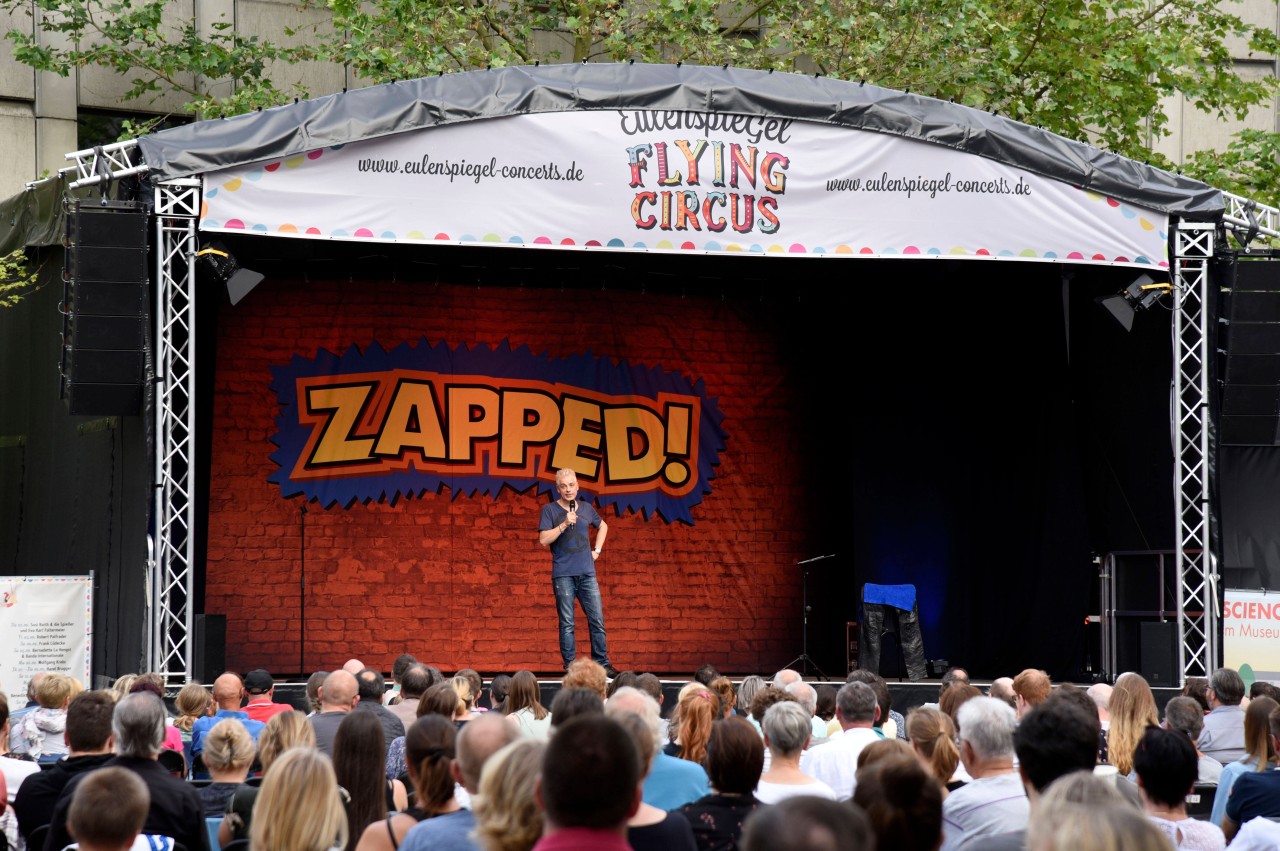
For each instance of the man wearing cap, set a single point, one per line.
(260, 691)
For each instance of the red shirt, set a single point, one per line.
(582, 839)
(263, 709)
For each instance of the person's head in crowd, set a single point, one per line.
(1259, 749)
(228, 751)
(1261, 688)
(706, 674)
(786, 677)
(340, 692)
(985, 729)
(499, 688)
(652, 686)
(402, 663)
(932, 735)
(887, 748)
(1030, 688)
(722, 687)
(33, 687)
(1053, 740)
(639, 703)
(641, 736)
(524, 693)
(119, 688)
(466, 698)
(951, 677)
(806, 695)
(902, 802)
(430, 746)
(857, 705)
(1198, 689)
(826, 709)
(1183, 715)
(477, 741)
(1077, 697)
(259, 682)
(298, 807)
(953, 698)
(88, 728)
(767, 696)
(1002, 689)
(1083, 812)
(137, 724)
(193, 702)
(1133, 709)
(787, 728)
(284, 730)
(698, 710)
(569, 703)
(1100, 694)
(625, 678)
(747, 691)
(144, 684)
(590, 777)
(1226, 688)
(1166, 764)
(586, 673)
(370, 685)
(808, 823)
(353, 666)
(439, 699)
(228, 690)
(507, 814)
(414, 682)
(735, 757)
(56, 690)
(108, 809)
(474, 680)
(4, 723)
(883, 699)
(314, 682)
(359, 761)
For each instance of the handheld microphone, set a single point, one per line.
(573, 508)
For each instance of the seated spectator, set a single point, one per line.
(1223, 735)
(652, 686)
(1133, 710)
(300, 807)
(806, 823)
(902, 802)
(466, 699)
(1261, 688)
(227, 693)
(747, 691)
(154, 684)
(884, 749)
(669, 782)
(1260, 754)
(890, 722)
(696, 712)
(835, 763)
(359, 763)
(228, 753)
(650, 828)
(284, 731)
(1001, 689)
(735, 756)
(371, 688)
(499, 688)
(706, 674)
(1082, 812)
(994, 800)
(807, 695)
(933, 739)
(394, 694)
(1183, 715)
(1080, 698)
(723, 688)
(414, 682)
(524, 709)
(314, 684)
(193, 703)
(1166, 765)
(585, 673)
(1030, 688)
(38, 734)
(826, 710)
(569, 703)
(786, 734)
(108, 810)
(590, 785)
(439, 699)
(1197, 688)
(429, 751)
(1256, 793)
(953, 698)
(260, 694)
(506, 810)
(339, 694)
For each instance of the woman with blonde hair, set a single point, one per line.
(508, 817)
(932, 735)
(1260, 754)
(300, 807)
(228, 753)
(193, 702)
(284, 730)
(466, 700)
(524, 710)
(1081, 812)
(429, 751)
(1133, 710)
(40, 733)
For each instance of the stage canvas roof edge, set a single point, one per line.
(409, 105)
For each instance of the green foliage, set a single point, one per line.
(1095, 70)
(16, 280)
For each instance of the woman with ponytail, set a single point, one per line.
(429, 752)
(933, 737)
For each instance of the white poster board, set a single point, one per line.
(1251, 634)
(46, 624)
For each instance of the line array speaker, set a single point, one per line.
(1250, 340)
(105, 306)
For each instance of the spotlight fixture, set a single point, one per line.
(226, 269)
(1139, 295)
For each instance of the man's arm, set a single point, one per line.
(1229, 828)
(601, 534)
(547, 537)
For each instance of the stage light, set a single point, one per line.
(238, 280)
(1139, 295)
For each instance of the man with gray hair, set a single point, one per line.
(671, 782)
(808, 698)
(1223, 735)
(137, 724)
(995, 800)
(1183, 715)
(836, 762)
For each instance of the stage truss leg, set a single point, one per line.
(172, 583)
(1197, 599)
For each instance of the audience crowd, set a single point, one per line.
(430, 761)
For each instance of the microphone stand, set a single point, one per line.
(804, 659)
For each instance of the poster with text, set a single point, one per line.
(46, 624)
(1251, 634)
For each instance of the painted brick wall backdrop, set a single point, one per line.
(462, 581)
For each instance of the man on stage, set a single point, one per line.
(573, 572)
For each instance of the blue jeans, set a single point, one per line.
(588, 594)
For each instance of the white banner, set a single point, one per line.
(1251, 634)
(680, 181)
(46, 624)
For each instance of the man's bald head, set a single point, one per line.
(339, 692)
(227, 690)
(480, 739)
(353, 666)
(786, 677)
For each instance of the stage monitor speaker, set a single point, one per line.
(1250, 341)
(1159, 653)
(105, 308)
(209, 650)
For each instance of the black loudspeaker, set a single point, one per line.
(1250, 341)
(105, 308)
(1159, 653)
(209, 649)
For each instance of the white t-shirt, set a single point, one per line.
(1192, 834)
(772, 793)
